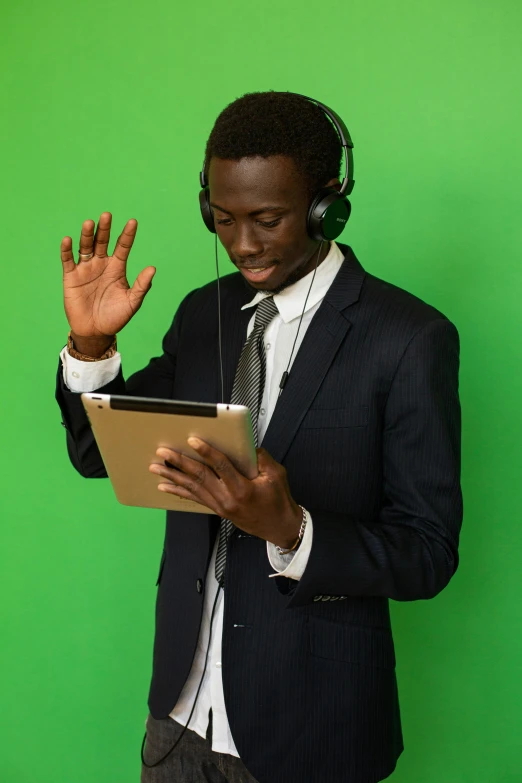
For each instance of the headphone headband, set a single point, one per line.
(346, 142)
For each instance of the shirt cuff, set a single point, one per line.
(293, 564)
(81, 376)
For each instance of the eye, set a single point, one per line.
(271, 224)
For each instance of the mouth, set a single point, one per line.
(257, 274)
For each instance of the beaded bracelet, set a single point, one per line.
(109, 353)
(299, 537)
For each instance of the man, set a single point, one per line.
(287, 673)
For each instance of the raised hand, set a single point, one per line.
(98, 300)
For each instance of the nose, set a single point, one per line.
(245, 242)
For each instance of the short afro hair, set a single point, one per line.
(278, 123)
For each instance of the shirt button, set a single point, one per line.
(75, 374)
(268, 346)
(199, 586)
(218, 665)
(262, 411)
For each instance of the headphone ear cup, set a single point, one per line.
(206, 210)
(327, 215)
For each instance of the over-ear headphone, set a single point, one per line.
(329, 210)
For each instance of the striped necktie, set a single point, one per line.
(248, 390)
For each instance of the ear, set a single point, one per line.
(334, 183)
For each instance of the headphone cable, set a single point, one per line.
(286, 373)
(219, 323)
(150, 766)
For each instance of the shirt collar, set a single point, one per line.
(290, 301)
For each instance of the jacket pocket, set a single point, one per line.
(322, 418)
(352, 643)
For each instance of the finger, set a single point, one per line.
(268, 468)
(218, 461)
(181, 492)
(264, 460)
(66, 255)
(172, 489)
(86, 240)
(125, 241)
(102, 235)
(196, 471)
(203, 480)
(141, 286)
(194, 483)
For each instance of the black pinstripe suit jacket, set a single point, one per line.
(368, 428)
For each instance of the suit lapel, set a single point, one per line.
(321, 342)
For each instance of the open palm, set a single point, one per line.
(97, 296)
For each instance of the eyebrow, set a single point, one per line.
(253, 213)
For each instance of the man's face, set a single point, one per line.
(260, 207)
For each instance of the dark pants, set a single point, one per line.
(192, 761)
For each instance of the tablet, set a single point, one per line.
(129, 430)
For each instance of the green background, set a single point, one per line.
(107, 106)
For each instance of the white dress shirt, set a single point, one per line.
(279, 339)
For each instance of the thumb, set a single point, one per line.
(141, 286)
(265, 463)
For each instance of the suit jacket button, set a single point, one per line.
(199, 586)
